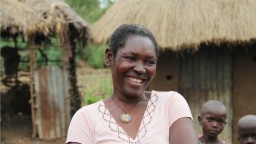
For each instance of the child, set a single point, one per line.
(247, 129)
(212, 119)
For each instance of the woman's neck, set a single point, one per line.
(125, 99)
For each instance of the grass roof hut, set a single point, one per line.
(24, 21)
(208, 49)
(51, 88)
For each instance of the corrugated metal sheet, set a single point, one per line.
(207, 75)
(52, 101)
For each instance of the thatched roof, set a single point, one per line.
(17, 17)
(66, 15)
(179, 24)
(59, 17)
(46, 17)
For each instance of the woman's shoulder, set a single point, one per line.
(166, 94)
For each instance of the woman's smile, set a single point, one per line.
(135, 81)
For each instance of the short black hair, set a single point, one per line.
(121, 34)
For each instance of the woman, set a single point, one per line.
(131, 114)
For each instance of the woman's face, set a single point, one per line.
(134, 66)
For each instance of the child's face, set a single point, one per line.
(247, 133)
(212, 123)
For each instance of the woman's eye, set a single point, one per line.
(150, 62)
(131, 58)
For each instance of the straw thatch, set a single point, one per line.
(17, 17)
(50, 18)
(59, 18)
(179, 24)
(77, 26)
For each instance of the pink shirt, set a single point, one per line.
(93, 124)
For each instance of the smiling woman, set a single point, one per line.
(132, 114)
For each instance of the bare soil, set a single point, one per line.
(17, 129)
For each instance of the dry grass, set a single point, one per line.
(40, 16)
(179, 24)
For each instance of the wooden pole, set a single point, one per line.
(32, 46)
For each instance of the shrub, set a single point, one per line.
(94, 55)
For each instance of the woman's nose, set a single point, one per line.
(140, 67)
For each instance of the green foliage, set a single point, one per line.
(24, 63)
(92, 99)
(52, 51)
(88, 9)
(94, 55)
(22, 48)
(91, 11)
(9, 42)
(98, 87)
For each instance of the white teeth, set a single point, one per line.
(135, 80)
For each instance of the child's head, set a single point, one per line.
(247, 129)
(212, 118)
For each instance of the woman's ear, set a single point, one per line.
(108, 57)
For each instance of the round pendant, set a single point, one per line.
(125, 118)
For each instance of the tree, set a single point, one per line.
(90, 10)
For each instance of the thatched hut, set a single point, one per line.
(53, 91)
(25, 19)
(208, 49)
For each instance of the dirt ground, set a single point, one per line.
(16, 128)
